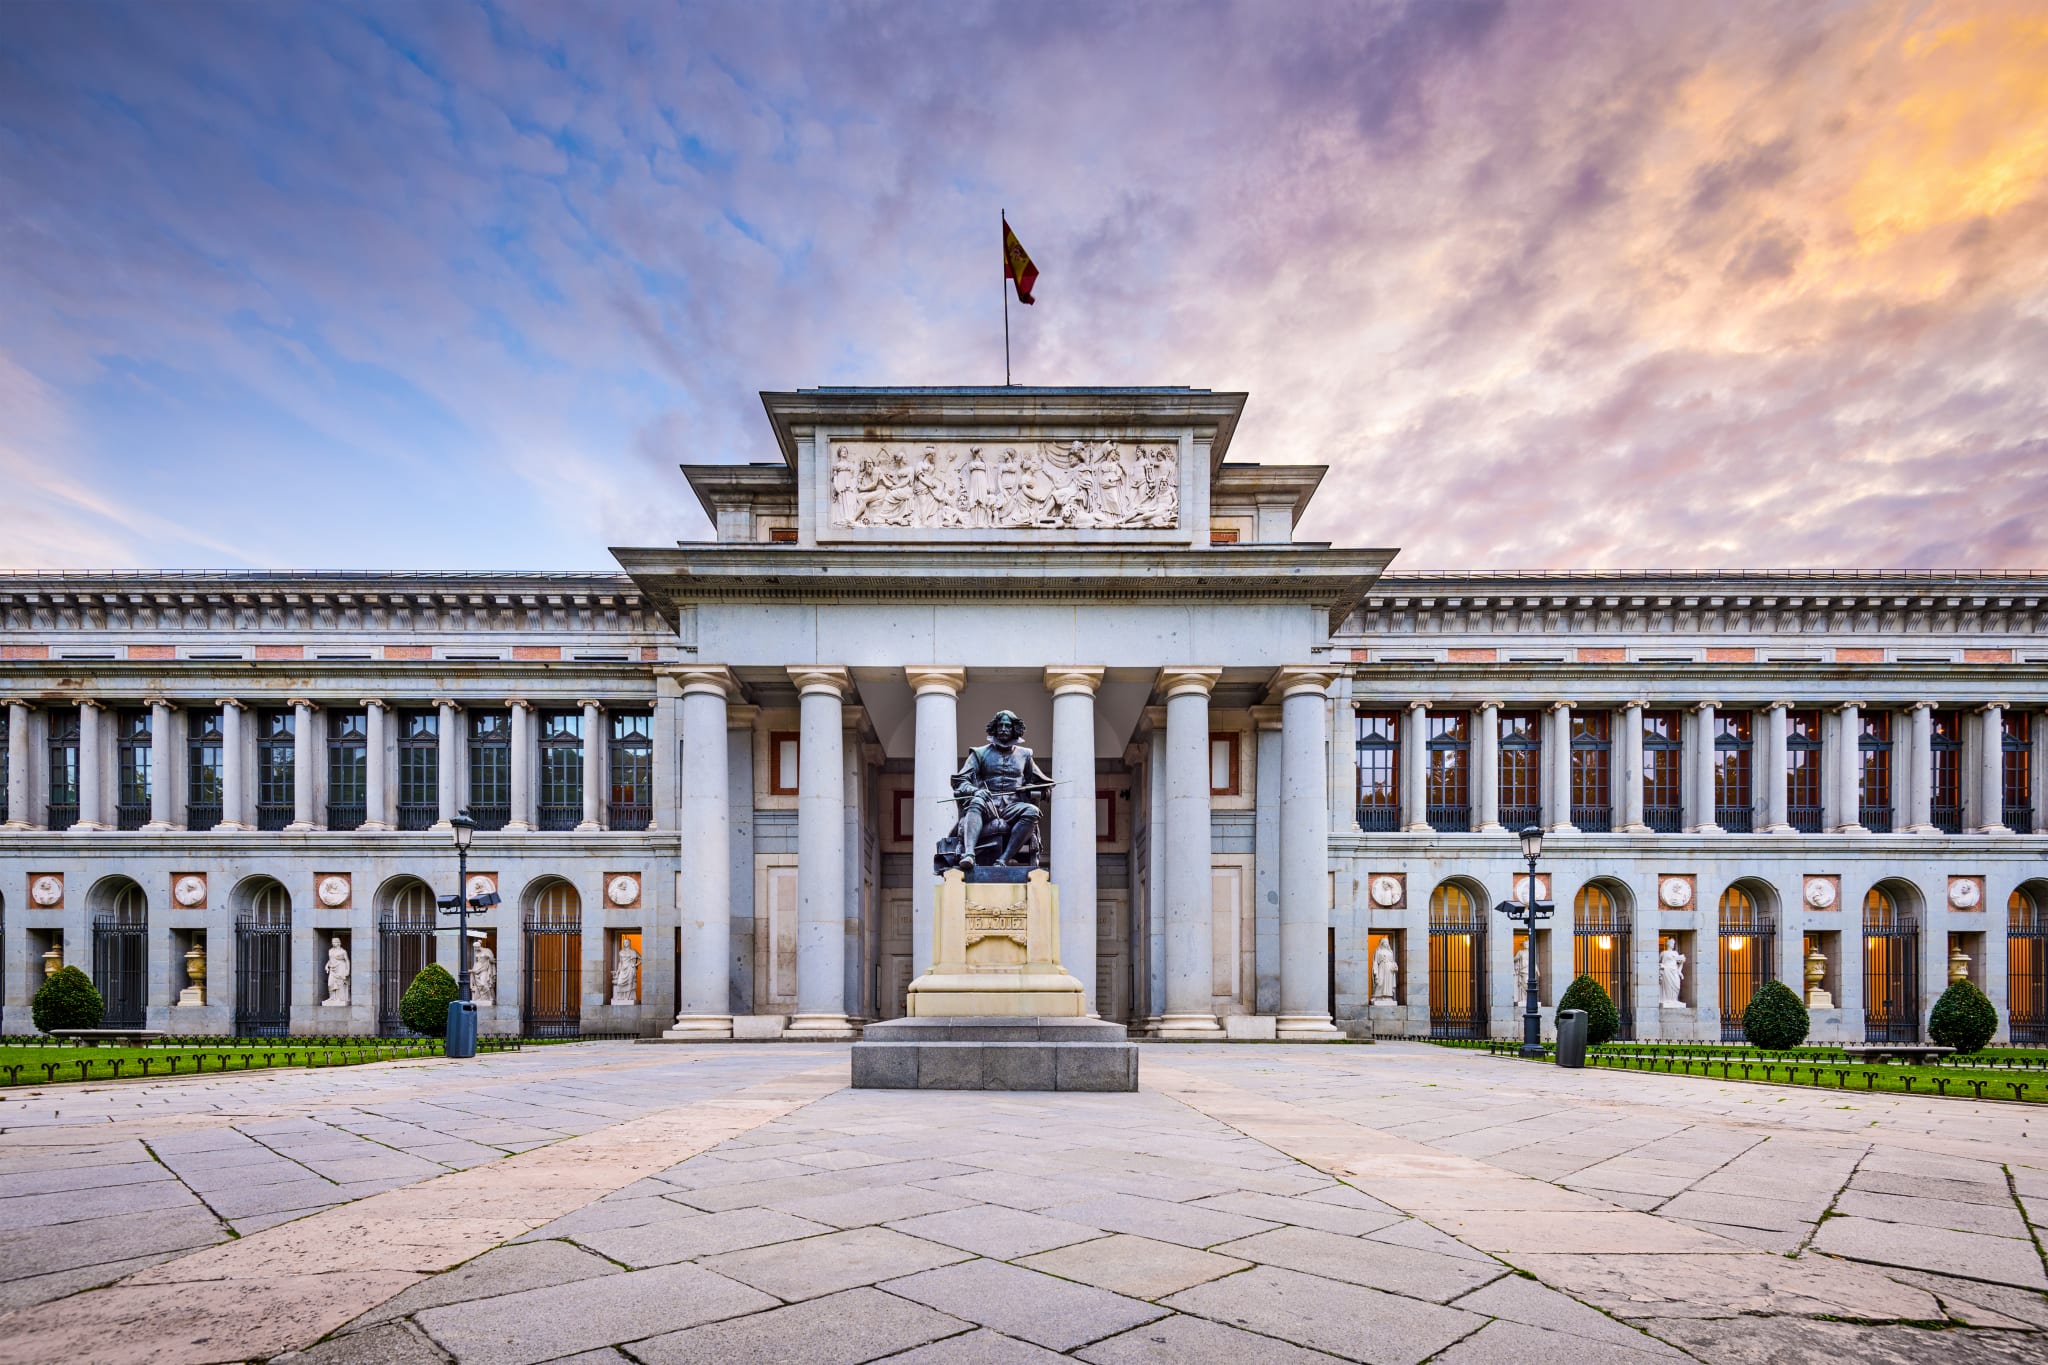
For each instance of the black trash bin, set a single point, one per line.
(1571, 1038)
(461, 1037)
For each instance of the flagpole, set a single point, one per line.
(1004, 285)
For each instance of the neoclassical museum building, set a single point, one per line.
(1273, 757)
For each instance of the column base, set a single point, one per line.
(1637, 828)
(87, 827)
(709, 1028)
(232, 827)
(298, 827)
(1923, 829)
(17, 825)
(1709, 828)
(1493, 827)
(1566, 828)
(1189, 1028)
(823, 1028)
(518, 827)
(1993, 829)
(1777, 829)
(373, 827)
(440, 827)
(589, 827)
(1424, 828)
(157, 827)
(1308, 1028)
(1851, 828)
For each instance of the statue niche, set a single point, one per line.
(996, 836)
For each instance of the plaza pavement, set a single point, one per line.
(1396, 1203)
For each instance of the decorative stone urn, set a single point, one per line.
(195, 969)
(1816, 968)
(1958, 965)
(53, 960)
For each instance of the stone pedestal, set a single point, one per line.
(996, 954)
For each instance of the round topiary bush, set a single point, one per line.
(424, 1007)
(1776, 1018)
(67, 999)
(1963, 1019)
(1603, 1021)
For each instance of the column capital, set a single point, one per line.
(1065, 679)
(372, 703)
(1297, 678)
(740, 715)
(92, 703)
(450, 702)
(821, 678)
(590, 704)
(1416, 706)
(519, 703)
(231, 703)
(1637, 704)
(1176, 681)
(715, 678)
(1493, 704)
(1702, 706)
(1266, 717)
(155, 699)
(1780, 705)
(1850, 706)
(306, 702)
(1924, 704)
(1568, 705)
(945, 679)
(1985, 707)
(1155, 718)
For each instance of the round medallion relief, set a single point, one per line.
(1675, 892)
(188, 891)
(46, 890)
(1820, 893)
(333, 891)
(1963, 893)
(1386, 891)
(480, 885)
(622, 890)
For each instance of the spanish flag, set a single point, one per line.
(1016, 264)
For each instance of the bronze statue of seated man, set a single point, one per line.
(995, 792)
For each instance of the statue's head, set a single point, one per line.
(1005, 727)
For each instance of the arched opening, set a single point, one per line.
(1457, 963)
(405, 946)
(554, 960)
(1603, 940)
(2026, 963)
(1891, 965)
(263, 959)
(1749, 945)
(120, 951)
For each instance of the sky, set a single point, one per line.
(1647, 284)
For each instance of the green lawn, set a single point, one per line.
(31, 1063)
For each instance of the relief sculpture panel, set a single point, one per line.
(1085, 485)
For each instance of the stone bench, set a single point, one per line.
(93, 1037)
(1885, 1052)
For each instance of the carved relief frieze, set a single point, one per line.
(1025, 485)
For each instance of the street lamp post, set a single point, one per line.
(1528, 911)
(460, 1038)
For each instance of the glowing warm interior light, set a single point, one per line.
(1736, 945)
(1604, 942)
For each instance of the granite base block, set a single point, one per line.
(991, 1054)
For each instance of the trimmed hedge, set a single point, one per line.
(1603, 1021)
(424, 1007)
(1963, 1019)
(1776, 1018)
(67, 999)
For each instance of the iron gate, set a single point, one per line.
(263, 977)
(1748, 949)
(1891, 980)
(404, 948)
(554, 979)
(2026, 972)
(1603, 947)
(1457, 966)
(120, 969)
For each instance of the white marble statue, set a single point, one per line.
(626, 976)
(337, 974)
(1386, 974)
(1521, 970)
(483, 976)
(1670, 975)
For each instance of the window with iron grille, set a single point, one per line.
(1802, 771)
(1748, 946)
(1450, 772)
(561, 769)
(348, 769)
(1663, 771)
(490, 768)
(6, 719)
(1945, 740)
(276, 769)
(2017, 772)
(1378, 743)
(132, 765)
(1521, 767)
(63, 811)
(1602, 935)
(1891, 970)
(631, 759)
(1592, 765)
(1874, 754)
(1734, 747)
(205, 782)
(419, 769)
(2026, 969)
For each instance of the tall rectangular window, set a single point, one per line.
(1874, 771)
(419, 769)
(1521, 766)
(561, 769)
(1945, 764)
(1663, 771)
(348, 769)
(6, 720)
(1592, 766)
(490, 768)
(631, 760)
(1734, 746)
(63, 768)
(277, 754)
(132, 769)
(205, 767)
(1802, 771)
(1450, 772)
(1378, 744)
(2017, 771)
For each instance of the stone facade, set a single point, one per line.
(731, 758)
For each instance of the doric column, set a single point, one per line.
(524, 751)
(17, 767)
(1703, 768)
(1073, 816)
(1190, 957)
(1777, 807)
(234, 791)
(1304, 857)
(1919, 810)
(303, 816)
(376, 773)
(448, 762)
(1630, 778)
(1849, 768)
(704, 1008)
(91, 802)
(1559, 763)
(161, 809)
(821, 852)
(935, 758)
(1991, 768)
(1486, 769)
(593, 767)
(1415, 768)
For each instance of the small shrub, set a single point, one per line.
(1776, 1018)
(424, 1007)
(67, 999)
(1963, 1019)
(1603, 1021)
